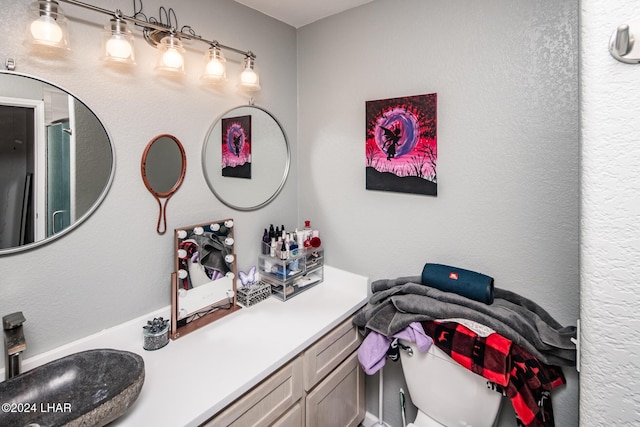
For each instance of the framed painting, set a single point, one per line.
(236, 147)
(402, 144)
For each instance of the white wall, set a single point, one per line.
(610, 254)
(115, 267)
(506, 74)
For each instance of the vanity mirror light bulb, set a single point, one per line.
(182, 234)
(230, 293)
(228, 223)
(229, 258)
(182, 274)
(182, 293)
(182, 254)
(230, 275)
(215, 227)
(182, 313)
(199, 231)
(228, 241)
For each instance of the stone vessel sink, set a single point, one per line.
(89, 388)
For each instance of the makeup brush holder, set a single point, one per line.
(294, 275)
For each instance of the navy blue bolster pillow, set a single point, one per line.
(476, 286)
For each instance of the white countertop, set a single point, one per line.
(196, 376)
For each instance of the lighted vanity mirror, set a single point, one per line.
(204, 282)
(245, 158)
(163, 167)
(56, 162)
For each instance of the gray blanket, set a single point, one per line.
(398, 302)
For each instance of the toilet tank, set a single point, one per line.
(446, 391)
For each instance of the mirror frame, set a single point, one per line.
(285, 173)
(213, 311)
(162, 215)
(101, 197)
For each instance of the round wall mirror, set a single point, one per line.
(245, 158)
(56, 162)
(163, 167)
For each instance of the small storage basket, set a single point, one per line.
(251, 295)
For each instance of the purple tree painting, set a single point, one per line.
(401, 144)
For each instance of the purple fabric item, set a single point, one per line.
(415, 333)
(372, 352)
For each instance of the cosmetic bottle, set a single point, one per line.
(272, 249)
(265, 243)
(307, 233)
(293, 251)
(272, 232)
(284, 253)
(300, 238)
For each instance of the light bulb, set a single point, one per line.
(46, 29)
(214, 65)
(215, 68)
(248, 77)
(172, 59)
(119, 47)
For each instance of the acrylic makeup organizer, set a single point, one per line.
(294, 275)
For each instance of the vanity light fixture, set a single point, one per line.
(117, 42)
(170, 55)
(47, 27)
(214, 65)
(249, 80)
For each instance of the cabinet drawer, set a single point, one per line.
(292, 418)
(265, 403)
(328, 352)
(338, 400)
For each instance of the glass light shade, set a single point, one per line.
(170, 57)
(47, 25)
(249, 79)
(214, 66)
(117, 42)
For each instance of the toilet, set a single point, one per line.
(446, 393)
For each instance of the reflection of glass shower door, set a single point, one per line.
(58, 177)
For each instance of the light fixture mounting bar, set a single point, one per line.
(157, 26)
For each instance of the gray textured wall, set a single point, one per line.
(610, 256)
(506, 74)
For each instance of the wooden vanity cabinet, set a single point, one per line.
(322, 386)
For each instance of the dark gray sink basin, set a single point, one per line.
(89, 388)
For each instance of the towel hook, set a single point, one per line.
(622, 44)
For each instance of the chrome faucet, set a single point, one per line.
(14, 343)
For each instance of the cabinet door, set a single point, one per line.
(339, 399)
(267, 402)
(329, 351)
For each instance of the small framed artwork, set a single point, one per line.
(402, 144)
(236, 147)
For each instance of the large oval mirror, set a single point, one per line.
(56, 162)
(245, 158)
(163, 167)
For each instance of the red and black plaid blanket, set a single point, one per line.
(526, 381)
